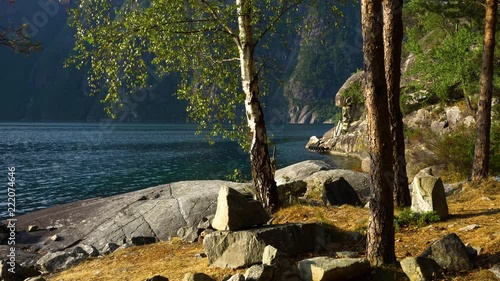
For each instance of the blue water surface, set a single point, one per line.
(63, 162)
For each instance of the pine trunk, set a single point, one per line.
(393, 38)
(482, 148)
(262, 173)
(380, 236)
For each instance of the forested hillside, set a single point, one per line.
(309, 68)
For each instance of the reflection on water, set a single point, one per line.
(60, 163)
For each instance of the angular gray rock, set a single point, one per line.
(197, 277)
(20, 272)
(269, 255)
(109, 248)
(339, 192)
(450, 253)
(360, 182)
(259, 272)
(153, 212)
(206, 222)
(300, 171)
(420, 268)
(236, 212)
(427, 194)
(86, 250)
(157, 278)
(143, 240)
(330, 269)
(290, 180)
(237, 277)
(244, 248)
(52, 262)
(188, 234)
(495, 270)
(38, 278)
(346, 254)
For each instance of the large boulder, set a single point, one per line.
(427, 194)
(330, 269)
(236, 212)
(450, 253)
(316, 182)
(420, 268)
(300, 171)
(339, 192)
(244, 248)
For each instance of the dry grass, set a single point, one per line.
(171, 259)
(475, 204)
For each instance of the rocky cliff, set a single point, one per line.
(425, 125)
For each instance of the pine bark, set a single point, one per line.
(262, 172)
(380, 237)
(393, 38)
(483, 125)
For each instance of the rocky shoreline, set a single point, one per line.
(235, 229)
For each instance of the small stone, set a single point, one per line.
(259, 272)
(55, 237)
(124, 246)
(109, 248)
(200, 255)
(206, 222)
(327, 268)
(38, 278)
(346, 254)
(419, 268)
(197, 277)
(470, 227)
(485, 198)
(157, 278)
(32, 228)
(50, 228)
(237, 277)
(88, 250)
(206, 232)
(188, 234)
(269, 255)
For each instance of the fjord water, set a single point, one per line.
(63, 162)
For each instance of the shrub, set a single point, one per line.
(237, 176)
(407, 217)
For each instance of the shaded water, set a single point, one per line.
(63, 162)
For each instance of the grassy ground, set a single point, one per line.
(475, 204)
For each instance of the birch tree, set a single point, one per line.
(207, 42)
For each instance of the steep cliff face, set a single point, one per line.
(326, 56)
(39, 88)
